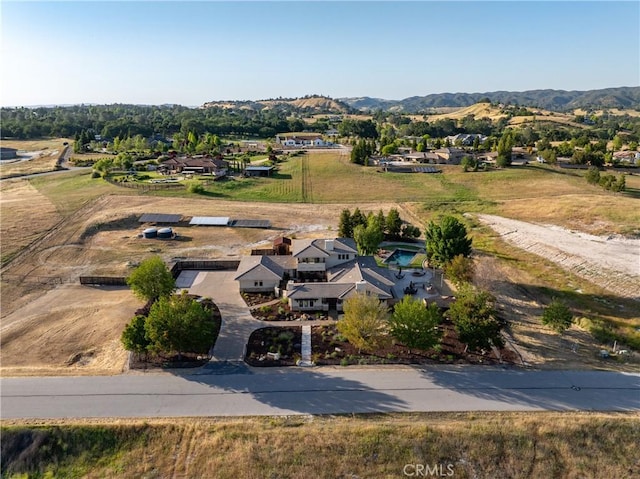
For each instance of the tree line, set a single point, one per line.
(125, 121)
(370, 230)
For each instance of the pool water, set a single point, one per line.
(401, 257)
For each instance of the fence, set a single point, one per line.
(104, 280)
(263, 252)
(203, 265)
(145, 186)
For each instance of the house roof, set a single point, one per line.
(320, 290)
(307, 246)
(300, 136)
(268, 267)
(340, 245)
(365, 268)
(196, 162)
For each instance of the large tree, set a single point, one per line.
(365, 323)
(151, 279)
(181, 324)
(505, 145)
(345, 228)
(368, 237)
(394, 223)
(473, 315)
(459, 270)
(445, 240)
(415, 325)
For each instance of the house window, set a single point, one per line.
(257, 283)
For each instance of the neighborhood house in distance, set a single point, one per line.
(318, 274)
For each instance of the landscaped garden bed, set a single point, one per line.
(274, 346)
(278, 311)
(254, 299)
(151, 360)
(329, 347)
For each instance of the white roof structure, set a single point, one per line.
(210, 221)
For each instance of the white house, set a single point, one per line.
(318, 276)
(263, 274)
(300, 139)
(319, 255)
(361, 275)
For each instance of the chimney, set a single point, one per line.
(290, 287)
(361, 286)
(328, 245)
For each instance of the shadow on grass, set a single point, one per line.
(281, 176)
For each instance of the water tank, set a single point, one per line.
(165, 233)
(150, 233)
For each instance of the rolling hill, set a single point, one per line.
(307, 104)
(554, 100)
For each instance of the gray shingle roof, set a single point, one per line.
(270, 266)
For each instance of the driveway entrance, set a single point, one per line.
(237, 322)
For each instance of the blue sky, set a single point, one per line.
(191, 52)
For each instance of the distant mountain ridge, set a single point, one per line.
(555, 100)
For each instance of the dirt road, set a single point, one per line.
(610, 262)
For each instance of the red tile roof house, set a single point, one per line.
(628, 156)
(318, 276)
(198, 165)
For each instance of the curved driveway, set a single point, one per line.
(237, 322)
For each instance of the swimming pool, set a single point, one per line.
(401, 257)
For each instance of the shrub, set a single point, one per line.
(196, 187)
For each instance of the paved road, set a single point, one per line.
(226, 389)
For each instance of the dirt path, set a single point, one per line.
(610, 262)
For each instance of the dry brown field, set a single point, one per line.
(526, 445)
(53, 231)
(44, 154)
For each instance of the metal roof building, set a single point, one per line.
(159, 218)
(209, 221)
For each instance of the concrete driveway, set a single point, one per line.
(237, 322)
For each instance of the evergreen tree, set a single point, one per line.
(445, 240)
(345, 228)
(505, 146)
(394, 223)
(357, 218)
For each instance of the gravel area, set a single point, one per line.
(612, 262)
